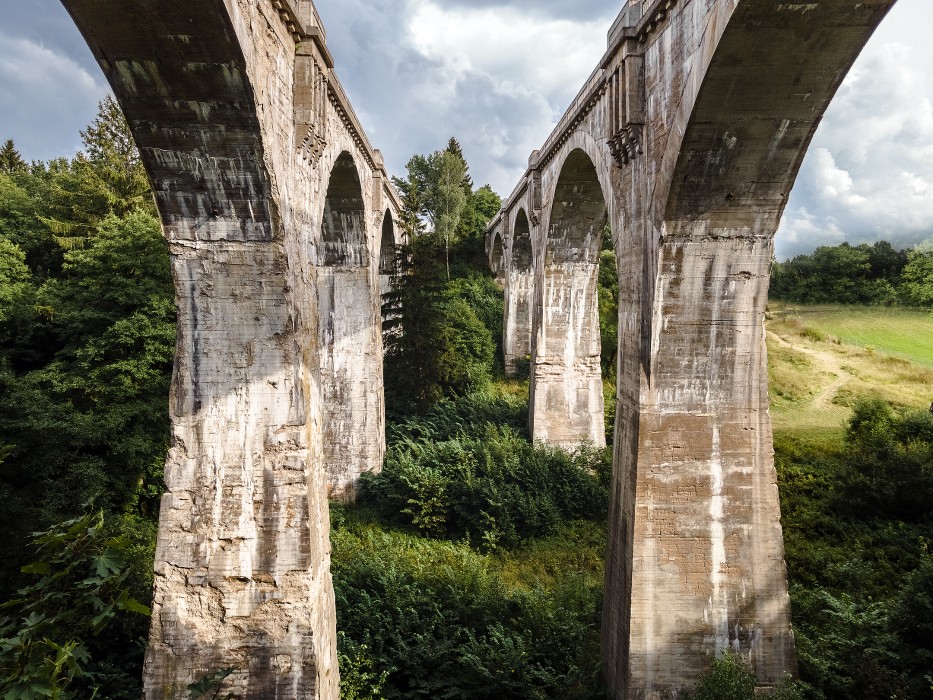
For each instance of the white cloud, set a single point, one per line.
(869, 173)
(516, 49)
(495, 76)
(47, 99)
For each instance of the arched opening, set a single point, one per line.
(349, 335)
(518, 293)
(343, 231)
(388, 268)
(566, 392)
(387, 246)
(497, 258)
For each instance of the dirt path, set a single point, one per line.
(825, 361)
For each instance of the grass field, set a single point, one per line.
(903, 333)
(821, 359)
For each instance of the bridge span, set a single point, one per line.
(686, 139)
(275, 206)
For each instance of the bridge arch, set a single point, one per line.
(497, 257)
(350, 346)
(566, 389)
(387, 246)
(519, 289)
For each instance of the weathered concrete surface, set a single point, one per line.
(350, 334)
(240, 122)
(567, 387)
(518, 275)
(696, 120)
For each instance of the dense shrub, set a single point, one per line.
(485, 299)
(486, 484)
(428, 619)
(728, 678)
(890, 462)
(86, 575)
(856, 536)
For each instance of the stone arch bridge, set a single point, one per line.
(686, 139)
(276, 209)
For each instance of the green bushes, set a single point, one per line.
(857, 523)
(483, 483)
(890, 462)
(50, 634)
(428, 619)
(728, 678)
(473, 567)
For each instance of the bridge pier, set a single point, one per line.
(566, 398)
(240, 121)
(701, 519)
(349, 335)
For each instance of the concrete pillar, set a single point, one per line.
(519, 290)
(566, 392)
(237, 558)
(350, 337)
(241, 574)
(707, 557)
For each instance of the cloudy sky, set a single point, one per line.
(498, 74)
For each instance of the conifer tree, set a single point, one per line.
(453, 147)
(106, 178)
(10, 159)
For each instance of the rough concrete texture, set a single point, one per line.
(518, 276)
(240, 122)
(567, 387)
(350, 335)
(696, 121)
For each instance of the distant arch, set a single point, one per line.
(519, 290)
(522, 258)
(350, 342)
(497, 257)
(344, 241)
(387, 245)
(566, 392)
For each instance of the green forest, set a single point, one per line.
(472, 565)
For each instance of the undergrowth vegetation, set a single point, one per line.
(858, 519)
(473, 566)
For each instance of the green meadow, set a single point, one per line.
(904, 333)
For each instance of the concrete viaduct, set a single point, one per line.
(276, 208)
(686, 139)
